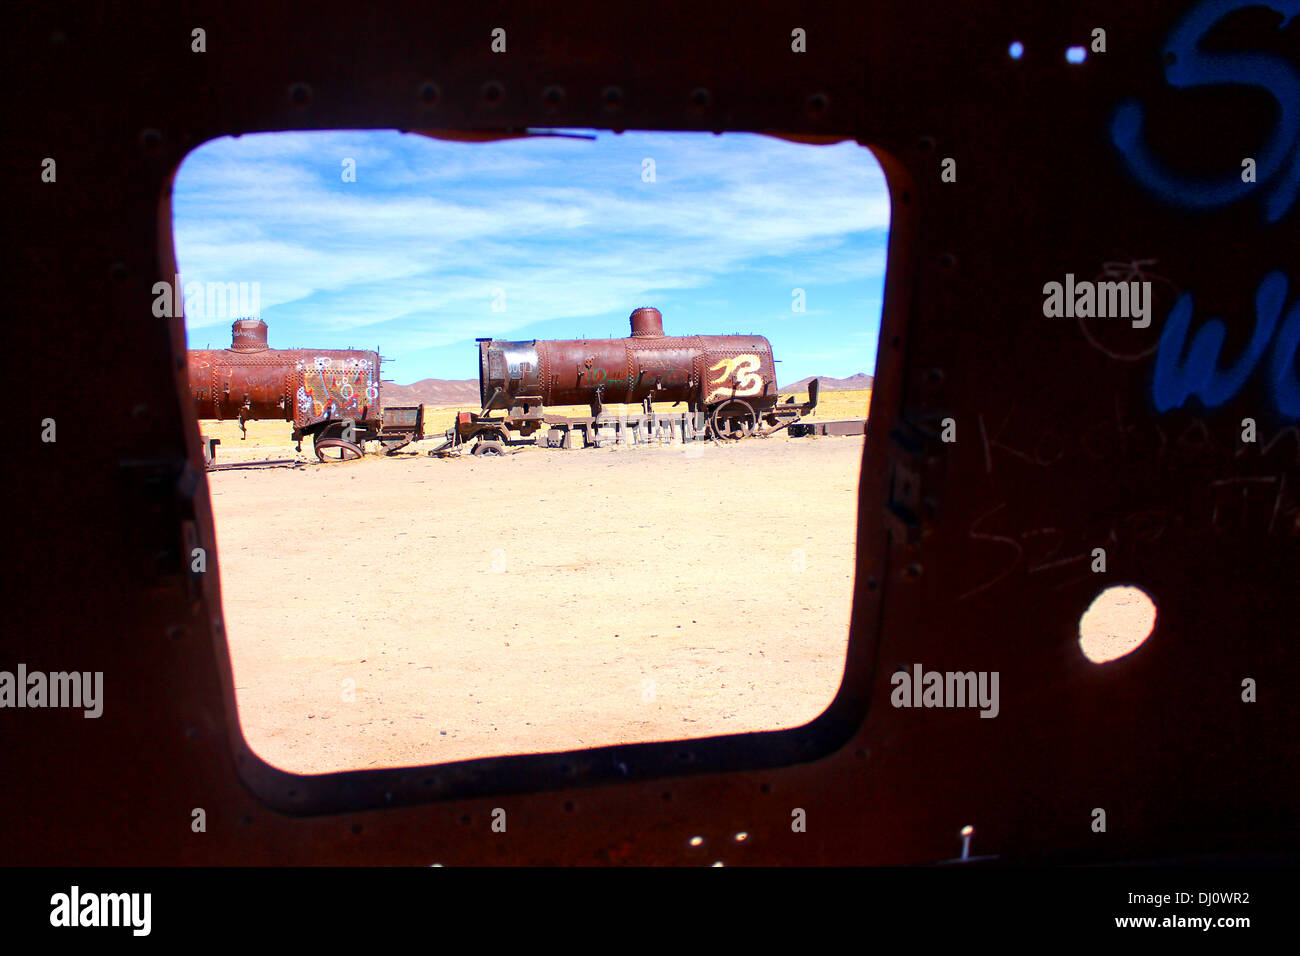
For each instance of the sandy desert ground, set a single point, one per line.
(543, 600)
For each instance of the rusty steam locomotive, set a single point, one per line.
(331, 395)
(727, 382)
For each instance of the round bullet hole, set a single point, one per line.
(1118, 622)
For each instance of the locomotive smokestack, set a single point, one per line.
(248, 335)
(647, 323)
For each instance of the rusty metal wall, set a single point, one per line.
(1005, 175)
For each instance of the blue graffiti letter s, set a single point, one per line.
(1278, 167)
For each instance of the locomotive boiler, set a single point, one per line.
(730, 379)
(332, 395)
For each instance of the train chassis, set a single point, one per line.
(484, 433)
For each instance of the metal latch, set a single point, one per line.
(916, 458)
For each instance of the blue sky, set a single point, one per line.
(413, 255)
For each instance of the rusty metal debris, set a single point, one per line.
(847, 426)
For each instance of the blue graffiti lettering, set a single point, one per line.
(1286, 387)
(1277, 166)
(1198, 374)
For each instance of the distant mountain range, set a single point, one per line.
(441, 391)
(433, 391)
(852, 383)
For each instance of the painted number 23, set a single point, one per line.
(745, 369)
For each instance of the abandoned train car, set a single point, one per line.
(333, 395)
(731, 379)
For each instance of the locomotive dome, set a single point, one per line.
(248, 335)
(647, 322)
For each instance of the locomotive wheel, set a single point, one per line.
(488, 447)
(330, 445)
(738, 421)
